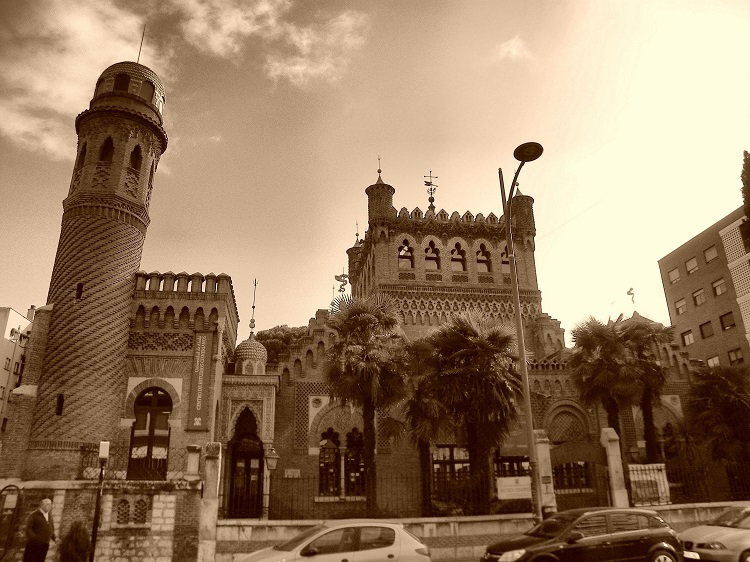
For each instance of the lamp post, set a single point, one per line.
(272, 459)
(527, 152)
(103, 456)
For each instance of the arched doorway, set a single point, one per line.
(246, 468)
(149, 436)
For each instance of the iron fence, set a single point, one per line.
(168, 465)
(688, 481)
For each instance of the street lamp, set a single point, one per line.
(527, 152)
(103, 456)
(272, 459)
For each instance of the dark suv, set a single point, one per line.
(596, 534)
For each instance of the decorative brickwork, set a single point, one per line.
(150, 341)
(302, 390)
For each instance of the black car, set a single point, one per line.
(596, 534)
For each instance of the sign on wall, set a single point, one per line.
(201, 379)
(513, 487)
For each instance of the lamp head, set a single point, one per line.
(103, 450)
(528, 151)
(272, 458)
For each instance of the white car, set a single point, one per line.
(725, 539)
(358, 540)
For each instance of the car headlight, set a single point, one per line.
(692, 555)
(511, 555)
(711, 545)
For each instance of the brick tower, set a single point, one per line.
(105, 216)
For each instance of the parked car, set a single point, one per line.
(726, 538)
(359, 540)
(597, 534)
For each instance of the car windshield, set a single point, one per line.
(736, 517)
(553, 526)
(293, 543)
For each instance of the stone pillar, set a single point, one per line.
(544, 465)
(209, 504)
(193, 463)
(611, 443)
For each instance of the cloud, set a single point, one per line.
(512, 49)
(49, 49)
(216, 139)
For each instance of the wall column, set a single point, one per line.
(209, 505)
(544, 464)
(611, 443)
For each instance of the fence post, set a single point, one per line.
(209, 505)
(544, 464)
(192, 473)
(611, 443)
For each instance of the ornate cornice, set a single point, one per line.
(129, 113)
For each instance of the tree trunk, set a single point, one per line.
(368, 421)
(649, 429)
(425, 465)
(480, 470)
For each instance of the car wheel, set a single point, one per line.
(662, 556)
(745, 556)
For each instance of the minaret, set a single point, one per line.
(105, 216)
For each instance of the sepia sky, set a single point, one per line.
(277, 111)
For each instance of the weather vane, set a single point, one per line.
(252, 320)
(343, 279)
(431, 188)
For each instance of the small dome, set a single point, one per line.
(135, 79)
(250, 349)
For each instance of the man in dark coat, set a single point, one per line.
(39, 531)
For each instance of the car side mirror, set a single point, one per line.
(574, 536)
(308, 551)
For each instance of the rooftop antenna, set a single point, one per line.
(431, 189)
(141, 47)
(252, 320)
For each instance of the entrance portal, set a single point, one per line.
(246, 469)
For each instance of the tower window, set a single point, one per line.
(147, 91)
(122, 83)
(81, 160)
(431, 257)
(107, 150)
(60, 404)
(458, 258)
(149, 437)
(405, 256)
(484, 263)
(136, 159)
(99, 87)
(79, 291)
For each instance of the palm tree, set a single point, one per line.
(361, 369)
(602, 368)
(475, 381)
(642, 337)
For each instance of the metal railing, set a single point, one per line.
(120, 465)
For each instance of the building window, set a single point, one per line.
(136, 158)
(329, 463)
(699, 297)
(149, 436)
(713, 361)
(60, 404)
(450, 470)
(484, 263)
(122, 83)
(710, 254)
(691, 265)
(674, 276)
(107, 151)
(687, 337)
(458, 258)
(707, 330)
(431, 257)
(79, 291)
(727, 321)
(405, 256)
(735, 356)
(147, 91)
(354, 464)
(719, 286)
(680, 306)
(7, 363)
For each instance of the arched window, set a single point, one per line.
(150, 184)
(321, 355)
(99, 87)
(431, 256)
(122, 83)
(149, 436)
(297, 368)
(309, 360)
(60, 404)
(107, 150)
(354, 464)
(505, 260)
(140, 512)
(81, 160)
(405, 256)
(484, 263)
(329, 464)
(123, 512)
(147, 91)
(136, 159)
(458, 258)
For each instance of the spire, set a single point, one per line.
(252, 320)
(380, 180)
(431, 189)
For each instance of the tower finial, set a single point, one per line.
(431, 189)
(252, 320)
(138, 60)
(357, 234)
(379, 170)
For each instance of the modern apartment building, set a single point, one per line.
(15, 328)
(707, 286)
